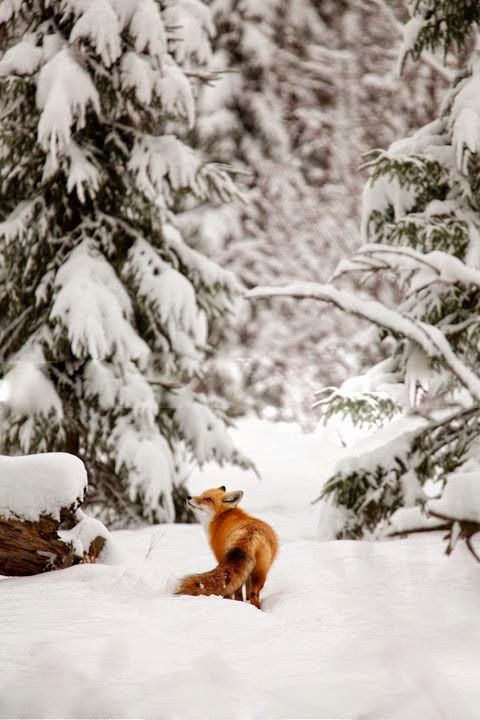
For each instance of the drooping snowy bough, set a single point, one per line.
(310, 80)
(421, 226)
(41, 525)
(104, 308)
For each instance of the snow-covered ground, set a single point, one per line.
(349, 629)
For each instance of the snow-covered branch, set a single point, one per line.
(428, 337)
(426, 57)
(443, 266)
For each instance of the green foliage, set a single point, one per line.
(447, 24)
(422, 198)
(441, 448)
(100, 181)
(368, 497)
(366, 408)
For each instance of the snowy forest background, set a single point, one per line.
(159, 160)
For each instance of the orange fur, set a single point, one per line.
(244, 547)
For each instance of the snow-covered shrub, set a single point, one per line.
(104, 308)
(421, 225)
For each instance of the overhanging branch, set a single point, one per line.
(429, 338)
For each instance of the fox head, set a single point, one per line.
(214, 502)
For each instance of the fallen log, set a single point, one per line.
(41, 526)
(28, 548)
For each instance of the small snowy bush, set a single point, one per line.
(104, 308)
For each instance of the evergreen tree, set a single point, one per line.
(421, 225)
(297, 107)
(104, 308)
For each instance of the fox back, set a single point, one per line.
(244, 547)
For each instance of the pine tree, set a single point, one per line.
(104, 308)
(421, 223)
(297, 106)
(248, 117)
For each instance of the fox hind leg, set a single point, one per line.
(256, 583)
(239, 593)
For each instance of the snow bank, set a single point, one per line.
(34, 485)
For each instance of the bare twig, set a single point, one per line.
(468, 543)
(412, 531)
(153, 543)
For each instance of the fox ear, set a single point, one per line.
(233, 498)
(222, 487)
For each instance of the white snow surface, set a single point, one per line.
(34, 485)
(348, 629)
(460, 499)
(407, 519)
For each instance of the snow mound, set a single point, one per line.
(392, 441)
(84, 533)
(408, 519)
(461, 497)
(34, 485)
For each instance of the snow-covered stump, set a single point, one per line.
(38, 495)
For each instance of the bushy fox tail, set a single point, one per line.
(229, 575)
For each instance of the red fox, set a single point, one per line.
(244, 546)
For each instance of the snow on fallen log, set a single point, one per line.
(50, 484)
(87, 537)
(41, 527)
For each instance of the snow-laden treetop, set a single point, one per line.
(104, 308)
